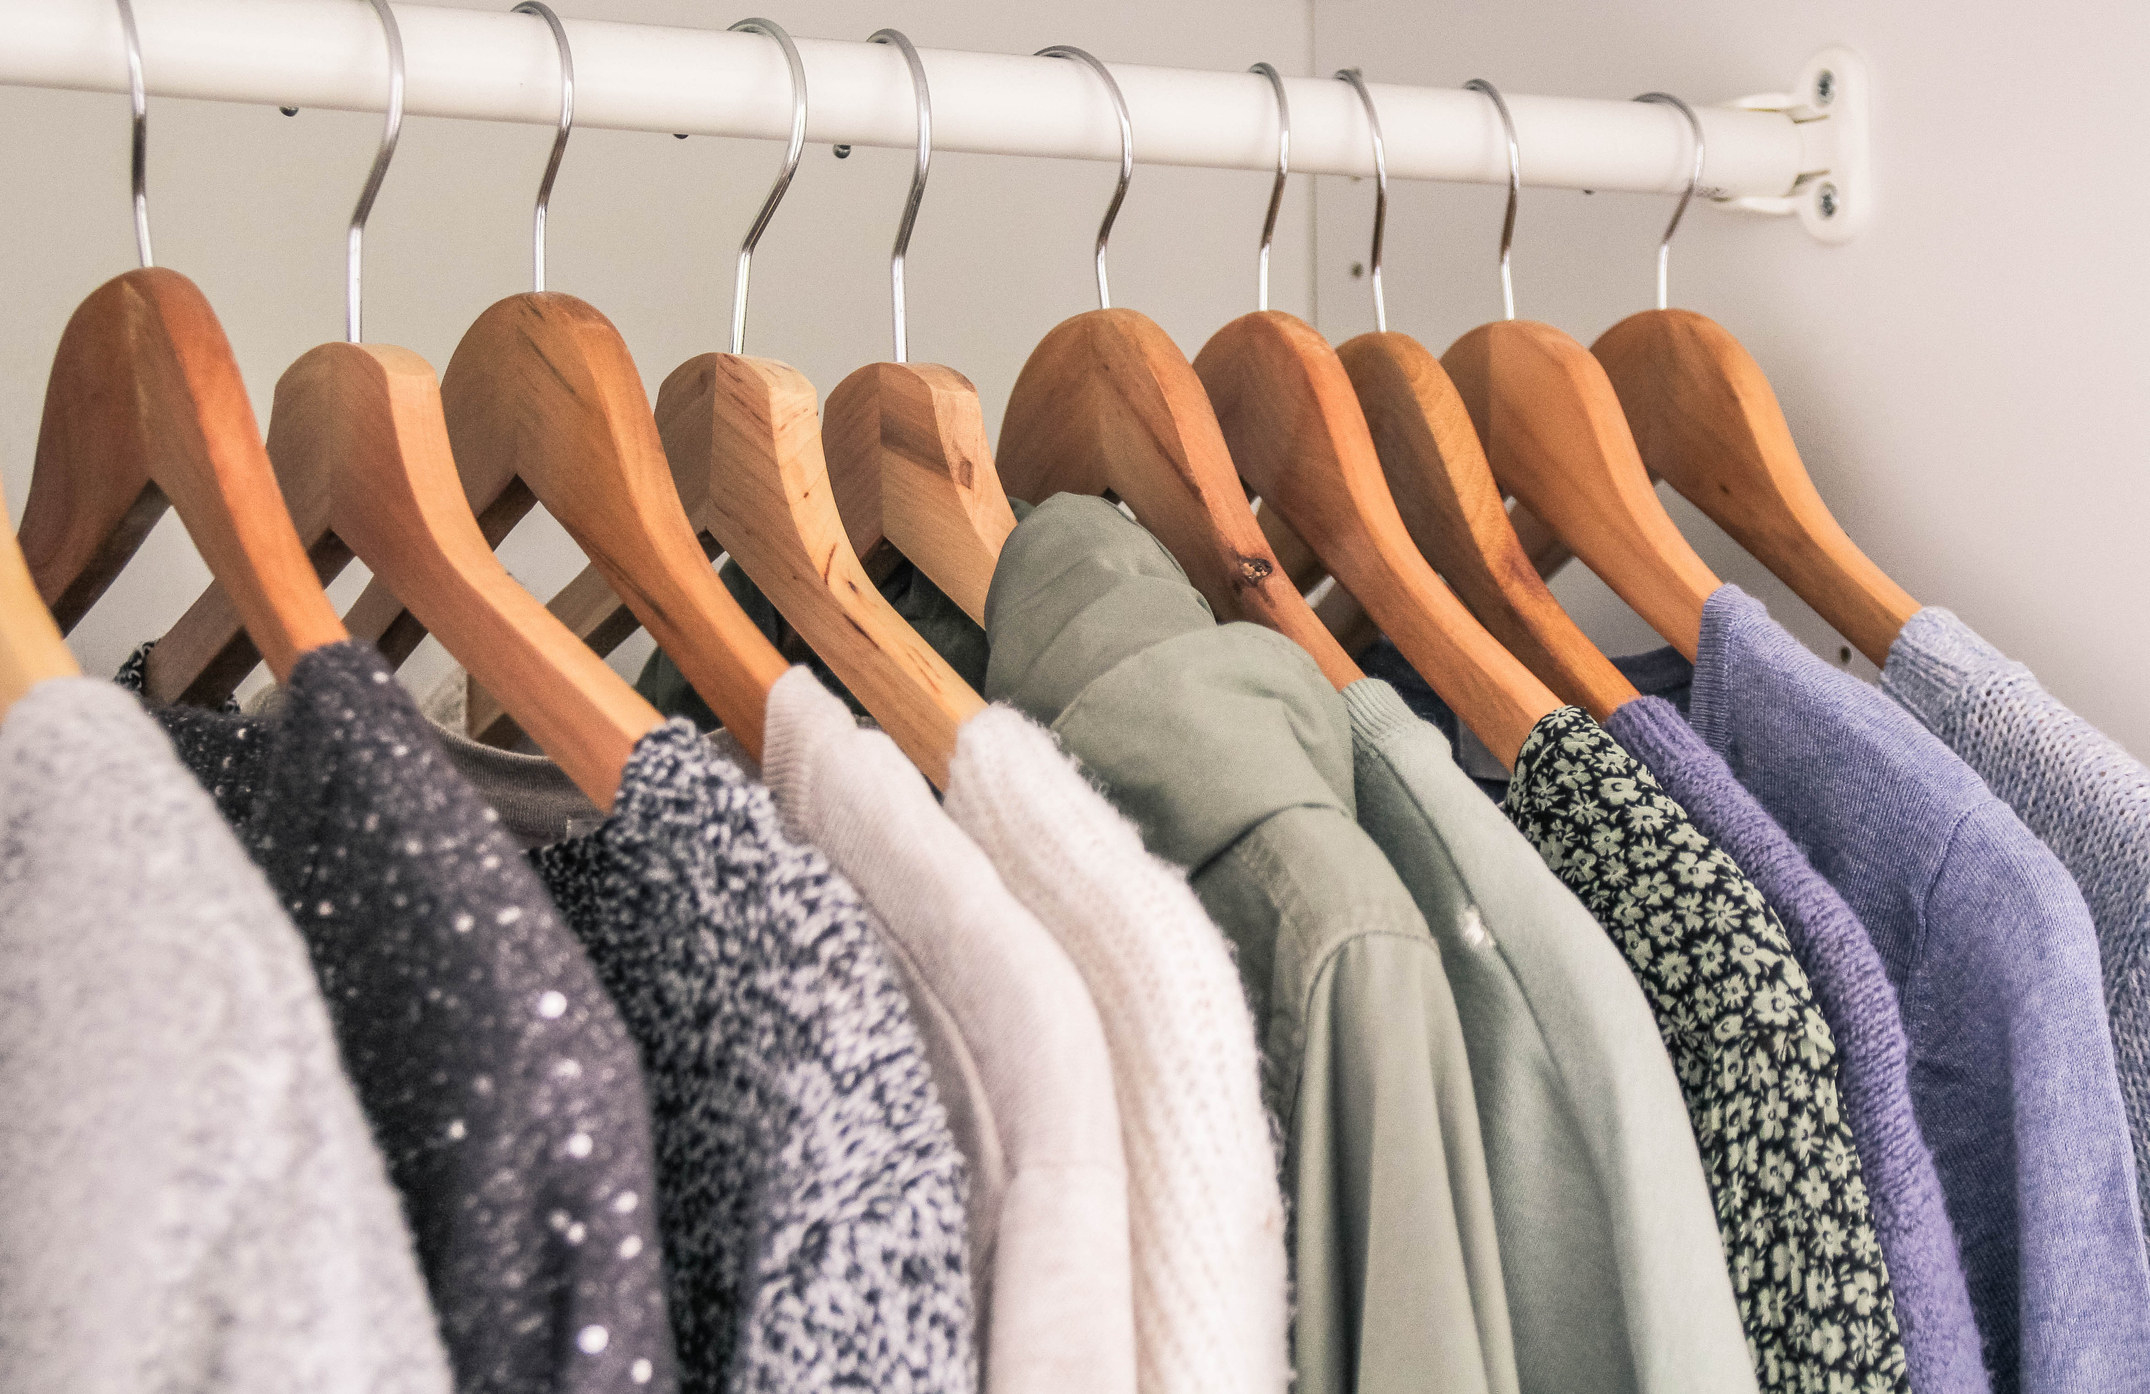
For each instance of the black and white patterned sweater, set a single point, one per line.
(812, 1196)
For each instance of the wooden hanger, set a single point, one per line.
(31, 647)
(1705, 419)
(742, 439)
(1445, 494)
(906, 443)
(1107, 404)
(751, 423)
(364, 423)
(1555, 437)
(1296, 433)
(145, 407)
(543, 388)
(368, 419)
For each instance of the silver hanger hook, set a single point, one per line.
(140, 98)
(918, 178)
(1515, 186)
(1127, 156)
(1276, 190)
(559, 142)
(771, 29)
(393, 127)
(1694, 180)
(1381, 191)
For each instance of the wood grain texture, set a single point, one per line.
(1294, 428)
(371, 416)
(1706, 420)
(1107, 404)
(145, 405)
(1444, 491)
(543, 389)
(751, 425)
(1555, 437)
(909, 463)
(32, 648)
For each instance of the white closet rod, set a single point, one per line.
(492, 65)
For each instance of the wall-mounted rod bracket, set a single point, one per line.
(1831, 104)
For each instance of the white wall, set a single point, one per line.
(1960, 380)
(1964, 381)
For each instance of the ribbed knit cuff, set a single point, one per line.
(1932, 661)
(1709, 708)
(1378, 710)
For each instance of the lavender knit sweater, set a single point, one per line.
(1995, 964)
(1933, 1306)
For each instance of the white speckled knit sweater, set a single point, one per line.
(1205, 1205)
(2083, 795)
(189, 1196)
(1014, 1040)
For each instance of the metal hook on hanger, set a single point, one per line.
(1694, 180)
(392, 128)
(918, 178)
(139, 98)
(771, 29)
(1127, 155)
(1381, 191)
(1276, 190)
(559, 142)
(1515, 186)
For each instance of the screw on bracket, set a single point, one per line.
(1824, 87)
(1827, 201)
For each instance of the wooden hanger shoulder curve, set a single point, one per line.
(1444, 491)
(145, 406)
(751, 426)
(1107, 403)
(1705, 420)
(543, 389)
(371, 414)
(1296, 433)
(1556, 438)
(909, 464)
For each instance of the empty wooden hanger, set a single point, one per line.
(750, 426)
(1555, 437)
(145, 406)
(1296, 433)
(1107, 404)
(906, 444)
(365, 422)
(1705, 419)
(1444, 491)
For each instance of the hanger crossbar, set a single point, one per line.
(497, 66)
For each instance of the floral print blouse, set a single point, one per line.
(1755, 1059)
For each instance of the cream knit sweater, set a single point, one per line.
(1016, 1048)
(1207, 1213)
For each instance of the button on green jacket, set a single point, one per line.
(1617, 1279)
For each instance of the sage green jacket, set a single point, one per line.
(1233, 755)
(1617, 1280)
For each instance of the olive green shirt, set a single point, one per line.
(1617, 1279)
(1233, 755)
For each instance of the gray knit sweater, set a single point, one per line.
(189, 1198)
(812, 1194)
